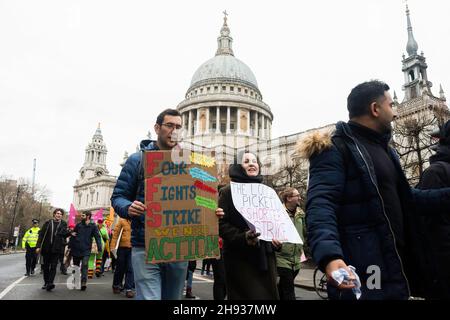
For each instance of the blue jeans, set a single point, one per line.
(161, 281)
(190, 276)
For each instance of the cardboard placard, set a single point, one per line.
(181, 199)
(264, 212)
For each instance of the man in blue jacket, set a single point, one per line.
(360, 209)
(80, 244)
(162, 281)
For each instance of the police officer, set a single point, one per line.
(29, 243)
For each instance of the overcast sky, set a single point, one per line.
(67, 65)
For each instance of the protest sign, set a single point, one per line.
(264, 212)
(181, 199)
(72, 216)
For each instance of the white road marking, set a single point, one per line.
(61, 284)
(10, 287)
(201, 278)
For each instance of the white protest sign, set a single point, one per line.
(264, 212)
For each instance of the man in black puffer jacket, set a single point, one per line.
(437, 176)
(360, 210)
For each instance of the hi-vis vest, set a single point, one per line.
(31, 236)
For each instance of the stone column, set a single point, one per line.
(238, 120)
(190, 123)
(248, 123)
(183, 119)
(262, 127)
(228, 120)
(217, 120)
(197, 126)
(207, 121)
(256, 124)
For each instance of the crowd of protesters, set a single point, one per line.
(360, 212)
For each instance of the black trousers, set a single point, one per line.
(219, 288)
(50, 263)
(206, 264)
(62, 267)
(286, 287)
(124, 268)
(30, 259)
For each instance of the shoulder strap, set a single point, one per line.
(45, 234)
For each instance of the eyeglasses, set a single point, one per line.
(172, 126)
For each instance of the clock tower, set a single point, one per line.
(94, 186)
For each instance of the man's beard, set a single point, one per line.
(164, 146)
(387, 129)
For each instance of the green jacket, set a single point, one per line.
(289, 256)
(104, 237)
(31, 237)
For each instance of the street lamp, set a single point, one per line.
(14, 213)
(42, 199)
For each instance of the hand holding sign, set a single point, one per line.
(252, 237)
(136, 209)
(220, 213)
(277, 244)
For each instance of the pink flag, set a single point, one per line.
(72, 214)
(98, 215)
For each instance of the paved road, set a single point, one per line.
(202, 289)
(14, 286)
(12, 267)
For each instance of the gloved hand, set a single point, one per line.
(252, 237)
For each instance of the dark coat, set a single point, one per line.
(250, 271)
(59, 241)
(346, 219)
(130, 187)
(192, 265)
(81, 244)
(437, 226)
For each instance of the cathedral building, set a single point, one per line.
(223, 105)
(93, 188)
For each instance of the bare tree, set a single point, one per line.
(293, 174)
(18, 206)
(413, 141)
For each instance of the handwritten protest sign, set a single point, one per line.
(181, 199)
(264, 212)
